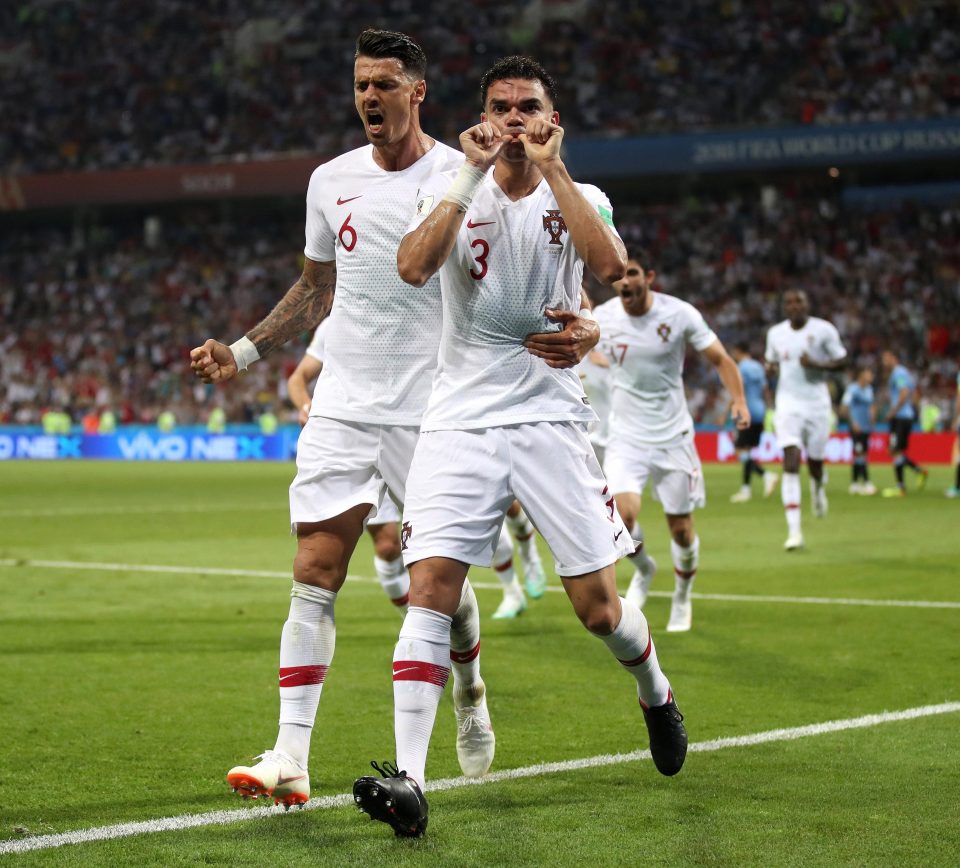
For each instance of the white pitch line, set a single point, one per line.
(279, 574)
(225, 818)
(56, 512)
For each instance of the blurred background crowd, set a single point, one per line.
(99, 313)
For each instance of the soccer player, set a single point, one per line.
(384, 528)
(954, 490)
(800, 351)
(901, 414)
(755, 388)
(356, 448)
(647, 334)
(858, 405)
(507, 416)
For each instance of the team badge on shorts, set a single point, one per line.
(610, 504)
(405, 533)
(554, 223)
(664, 331)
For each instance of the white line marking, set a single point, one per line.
(278, 574)
(224, 818)
(55, 512)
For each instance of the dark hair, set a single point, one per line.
(742, 346)
(389, 43)
(517, 66)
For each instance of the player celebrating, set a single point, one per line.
(901, 415)
(651, 431)
(502, 421)
(384, 528)
(754, 387)
(800, 350)
(858, 406)
(358, 442)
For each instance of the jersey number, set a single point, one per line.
(480, 258)
(623, 351)
(347, 235)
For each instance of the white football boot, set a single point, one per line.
(770, 480)
(640, 583)
(742, 496)
(277, 776)
(681, 614)
(512, 605)
(476, 742)
(794, 542)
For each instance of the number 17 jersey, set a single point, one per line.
(382, 335)
(511, 261)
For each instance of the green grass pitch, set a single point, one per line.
(126, 694)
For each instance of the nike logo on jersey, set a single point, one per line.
(472, 225)
(616, 536)
(344, 201)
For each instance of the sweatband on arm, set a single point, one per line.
(245, 353)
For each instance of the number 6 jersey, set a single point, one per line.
(511, 260)
(382, 336)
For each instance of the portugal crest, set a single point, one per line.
(554, 223)
(664, 331)
(405, 533)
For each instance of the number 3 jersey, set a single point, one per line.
(647, 352)
(382, 335)
(510, 262)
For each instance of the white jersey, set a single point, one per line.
(381, 345)
(511, 260)
(597, 384)
(648, 404)
(801, 389)
(317, 348)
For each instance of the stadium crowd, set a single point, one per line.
(110, 324)
(92, 85)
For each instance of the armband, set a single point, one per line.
(465, 186)
(245, 353)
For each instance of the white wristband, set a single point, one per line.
(465, 186)
(245, 353)
(586, 313)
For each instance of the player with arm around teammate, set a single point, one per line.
(651, 431)
(800, 350)
(356, 447)
(505, 420)
(859, 406)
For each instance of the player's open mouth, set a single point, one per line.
(374, 122)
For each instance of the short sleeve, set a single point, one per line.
(696, 331)
(832, 345)
(317, 346)
(320, 238)
(847, 398)
(599, 201)
(770, 353)
(431, 191)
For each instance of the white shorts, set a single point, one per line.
(675, 473)
(809, 430)
(343, 464)
(462, 482)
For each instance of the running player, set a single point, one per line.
(800, 350)
(858, 405)
(901, 414)
(954, 490)
(356, 448)
(504, 421)
(384, 527)
(651, 431)
(755, 388)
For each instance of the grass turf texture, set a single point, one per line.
(127, 695)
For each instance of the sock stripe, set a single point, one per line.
(465, 656)
(523, 537)
(401, 601)
(791, 506)
(643, 657)
(299, 676)
(684, 574)
(420, 670)
(502, 568)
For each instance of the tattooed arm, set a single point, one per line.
(306, 303)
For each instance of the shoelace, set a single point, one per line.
(387, 770)
(470, 721)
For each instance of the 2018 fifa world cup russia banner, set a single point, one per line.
(935, 448)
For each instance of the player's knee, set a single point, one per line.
(317, 567)
(683, 536)
(386, 546)
(600, 618)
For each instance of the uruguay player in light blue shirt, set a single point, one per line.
(857, 405)
(754, 377)
(901, 415)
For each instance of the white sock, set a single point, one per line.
(640, 559)
(790, 493)
(306, 651)
(420, 670)
(394, 580)
(523, 532)
(632, 644)
(503, 560)
(686, 559)
(468, 688)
